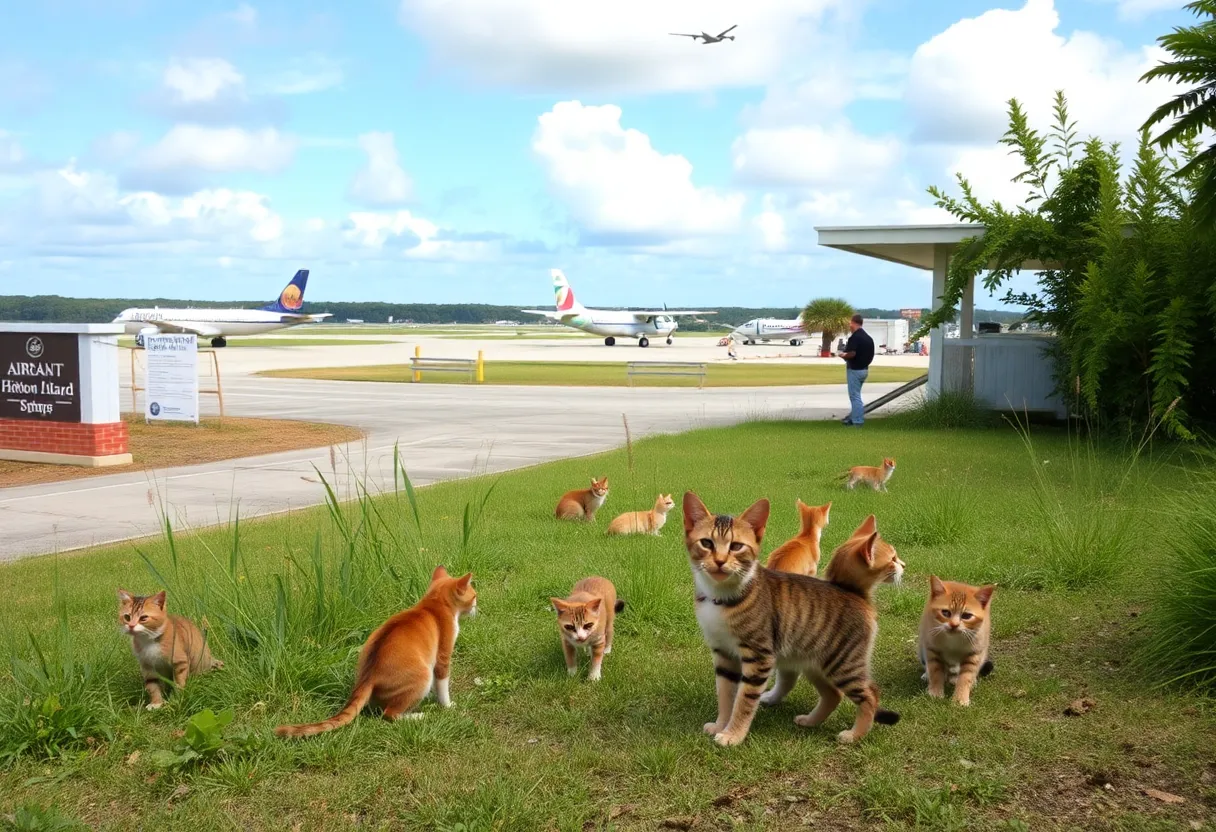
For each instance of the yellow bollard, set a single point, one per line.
(481, 367)
(417, 354)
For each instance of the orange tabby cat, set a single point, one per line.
(406, 656)
(756, 620)
(585, 620)
(801, 553)
(167, 646)
(876, 478)
(643, 522)
(583, 503)
(955, 630)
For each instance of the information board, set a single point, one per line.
(40, 376)
(171, 390)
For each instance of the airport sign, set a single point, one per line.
(40, 376)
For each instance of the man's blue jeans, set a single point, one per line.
(856, 378)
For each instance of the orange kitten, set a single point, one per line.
(801, 554)
(406, 656)
(167, 646)
(954, 633)
(876, 478)
(643, 522)
(582, 504)
(585, 621)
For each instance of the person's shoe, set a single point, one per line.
(846, 421)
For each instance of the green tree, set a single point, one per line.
(1193, 111)
(829, 316)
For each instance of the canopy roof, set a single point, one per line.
(908, 245)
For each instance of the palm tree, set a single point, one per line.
(828, 315)
(1194, 111)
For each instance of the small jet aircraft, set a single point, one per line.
(706, 38)
(216, 324)
(611, 323)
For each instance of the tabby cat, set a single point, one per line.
(406, 655)
(756, 620)
(643, 522)
(800, 554)
(585, 620)
(583, 503)
(166, 646)
(955, 630)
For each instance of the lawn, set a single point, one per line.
(172, 444)
(607, 374)
(527, 748)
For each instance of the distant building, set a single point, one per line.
(910, 314)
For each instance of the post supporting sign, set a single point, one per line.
(172, 378)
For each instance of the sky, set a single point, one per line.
(456, 150)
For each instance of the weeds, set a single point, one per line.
(204, 743)
(940, 518)
(948, 410)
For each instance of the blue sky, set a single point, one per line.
(456, 150)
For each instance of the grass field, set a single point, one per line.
(275, 341)
(171, 444)
(290, 600)
(605, 374)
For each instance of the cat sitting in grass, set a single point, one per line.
(955, 630)
(643, 522)
(583, 503)
(166, 646)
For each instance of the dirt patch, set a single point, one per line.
(170, 445)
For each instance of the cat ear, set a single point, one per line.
(827, 509)
(439, 572)
(159, 599)
(984, 594)
(694, 511)
(594, 604)
(464, 581)
(558, 604)
(799, 504)
(756, 516)
(936, 587)
(867, 548)
(124, 597)
(868, 527)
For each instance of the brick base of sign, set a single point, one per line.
(72, 443)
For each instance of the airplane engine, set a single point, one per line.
(139, 336)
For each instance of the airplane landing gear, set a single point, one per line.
(669, 341)
(643, 341)
(219, 342)
(609, 341)
(795, 343)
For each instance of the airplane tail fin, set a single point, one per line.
(563, 295)
(291, 299)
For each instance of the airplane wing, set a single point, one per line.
(724, 33)
(683, 35)
(186, 327)
(643, 314)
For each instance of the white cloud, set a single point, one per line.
(960, 80)
(1140, 9)
(244, 14)
(195, 80)
(618, 187)
(404, 234)
(221, 149)
(814, 156)
(540, 44)
(315, 73)
(382, 181)
(771, 226)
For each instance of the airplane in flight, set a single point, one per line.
(611, 323)
(706, 38)
(218, 324)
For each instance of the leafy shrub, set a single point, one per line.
(204, 743)
(33, 818)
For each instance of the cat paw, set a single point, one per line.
(924, 677)
(937, 693)
(807, 721)
(607, 650)
(411, 715)
(770, 698)
(593, 676)
(711, 728)
(726, 740)
(153, 706)
(447, 704)
(964, 701)
(845, 737)
(572, 671)
(217, 665)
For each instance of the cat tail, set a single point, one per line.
(884, 717)
(620, 605)
(358, 698)
(986, 668)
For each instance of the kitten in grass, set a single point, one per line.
(800, 554)
(955, 630)
(406, 656)
(585, 619)
(166, 646)
(583, 503)
(874, 477)
(756, 621)
(643, 522)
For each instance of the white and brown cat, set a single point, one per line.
(585, 620)
(166, 646)
(583, 503)
(643, 522)
(871, 475)
(955, 630)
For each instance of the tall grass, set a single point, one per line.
(947, 410)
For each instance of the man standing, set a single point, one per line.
(858, 353)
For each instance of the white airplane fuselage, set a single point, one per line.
(771, 329)
(219, 323)
(618, 324)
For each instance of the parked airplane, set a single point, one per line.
(611, 323)
(217, 324)
(771, 329)
(704, 38)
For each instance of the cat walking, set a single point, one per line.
(955, 631)
(166, 646)
(875, 477)
(585, 620)
(643, 522)
(583, 503)
(406, 656)
(800, 554)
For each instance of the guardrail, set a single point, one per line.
(667, 368)
(474, 368)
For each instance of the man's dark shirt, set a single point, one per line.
(862, 346)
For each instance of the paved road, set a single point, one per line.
(444, 431)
